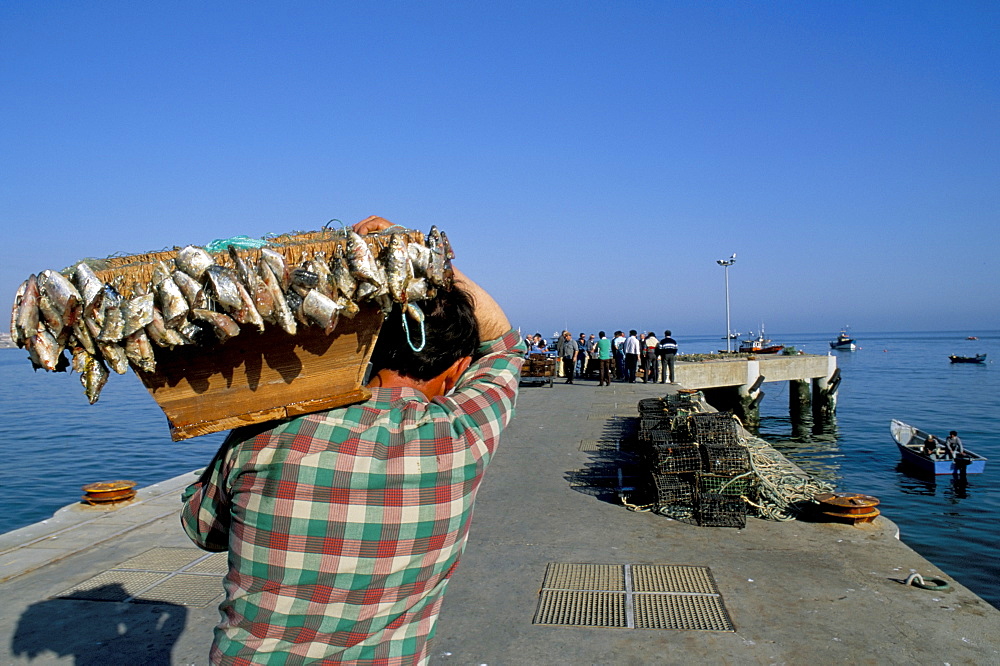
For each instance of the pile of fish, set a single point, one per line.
(195, 300)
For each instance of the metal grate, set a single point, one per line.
(675, 611)
(581, 609)
(640, 596)
(183, 576)
(564, 576)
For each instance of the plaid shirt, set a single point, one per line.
(344, 526)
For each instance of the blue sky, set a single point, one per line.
(590, 161)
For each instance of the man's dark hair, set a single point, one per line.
(631, 331)
(666, 333)
(601, 334)
(450, 333)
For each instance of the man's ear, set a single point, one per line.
(454, 371)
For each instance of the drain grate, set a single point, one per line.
(640, 596)
(182, 576)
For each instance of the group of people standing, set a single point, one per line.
(616, 358)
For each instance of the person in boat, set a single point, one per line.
(953, 446)
(930, 446)
(344, 526)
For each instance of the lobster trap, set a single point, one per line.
(721, 511)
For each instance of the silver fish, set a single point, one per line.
(449, 255)
(321, 309)
(281, 314)
(16, 335)
(113, 323)
(419, 289)
(114, 355)
(321, 268)
(263, 302)
(93, 375)
(88, 284)
(398, 268)
(174, 307)
(414, 312)
(136, 313)
(247, 313)
(420, 257)
(160, 335)
(224, 289)
(81, 332)
(27, 311)
(295, 305)
(60, 302)
(194, 261)
(361, 260)
(139, 351)
(193, 291)
(43, 349)
(341, 275)
(192, 333)
(279, 267)
(223, 325)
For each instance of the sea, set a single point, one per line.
(52, 441)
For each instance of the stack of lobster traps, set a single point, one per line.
(699, 463)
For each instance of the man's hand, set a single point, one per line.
(371, 224)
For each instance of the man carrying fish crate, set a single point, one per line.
(344, 526)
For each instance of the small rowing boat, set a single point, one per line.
(978, 358)
(910, 441)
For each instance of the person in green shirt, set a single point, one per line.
(604, 358)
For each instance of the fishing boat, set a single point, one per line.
(844, 342)
(759, 345)
(910, 441)
(978, 358)
(972, 337)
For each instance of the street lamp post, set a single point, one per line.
(726, 263)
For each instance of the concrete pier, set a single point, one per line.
(796, 592)
(735, 384)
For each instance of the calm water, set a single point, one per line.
(52, 442)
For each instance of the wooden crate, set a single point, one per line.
(258, 377)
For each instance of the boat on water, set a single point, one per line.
(910, 441)
(759, 345)
(978, 358)
(844, 342)
(972, 337)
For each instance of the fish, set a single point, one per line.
(193, 291)
(88, 284)
(279, 267)
(93, 375)
(348, 308)
(194, 261)
(27, 310)
(419, 289)
(304, 280)
(114, 355)
(294, 301)
(16, 335)
(193, 333)
(449, 255)
(398, 268)
(321, 309)
(281, 314)
(321, 269)
(174, 306)
(414, 312)
(260, 295)
(436, 264)
(81, 333)
(136, 313)
(247, 313)
(341, 274)
(420, 258)
(43, 349)
(139, 351)
(112, 321)
(222, 324)
(59, 302)
(361, 260)
(162, 336)
(224, 289)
